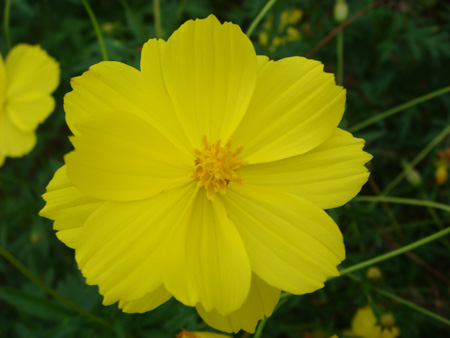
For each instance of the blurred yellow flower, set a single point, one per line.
(186, 334)
(364, 325)
(204, 176)
(442, 165)
(27, 78)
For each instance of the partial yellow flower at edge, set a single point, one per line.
(204, 176)
(186, 334)
(27, 78)
(364, 325)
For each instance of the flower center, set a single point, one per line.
(216, 166)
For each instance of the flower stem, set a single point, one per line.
(340, 58)
(434, 142)
(396, 252)
(258, 18)
(401, 200)
(35, 279)
(97, 29)
(6, 23)
(347, 22)
(135, 22)
(399, 108)
(157, 13)
(403, 301)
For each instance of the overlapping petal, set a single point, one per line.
(260, 302)
(121, 242)
(206, 261)
(68, 207)
(32, 76)
(293, 245)
(294, 108)
(328, 176)
(110, 86)
(29, 69)
(121, 157)
(147, 303)
(151, 61)
(14, 142)
(210, 71)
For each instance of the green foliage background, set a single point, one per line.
(394, 53)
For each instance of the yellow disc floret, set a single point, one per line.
(216, 166)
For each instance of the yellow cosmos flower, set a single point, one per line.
(186, 334)
(27, 78)
(204, 176)
(364, 325)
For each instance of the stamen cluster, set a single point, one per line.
(216, 166)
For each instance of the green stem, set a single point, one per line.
(401, 200)
(396, 252)
(398, 109)
(35, 279)
(403, 301)
(340, 58)
(258, 18)
(97, 29)
(429, 147)
(157, 13)
(6, 23)
(133, 19)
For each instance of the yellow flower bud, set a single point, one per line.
(340, 10)
(374, 274)
(387, 320)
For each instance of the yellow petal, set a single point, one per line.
(293, 245)
(110, 86)
(328, 176)
(147, 303)
(2, 80)
(28, 110)
(30, 69)
(67, 206)
(205, 260)
(69, 237)
(210, 71)
(14, 142)
(295, 107)
(120, 243)
(120, 157)
(151, 60)
(260, 302)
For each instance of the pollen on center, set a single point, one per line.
(216, 166)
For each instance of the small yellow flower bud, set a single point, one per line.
(374, 274)
(387, 320)
(340, 10)
(441, 173)
(412, 175)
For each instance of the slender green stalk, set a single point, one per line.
(258, 18)
(340, 58)
(133, 18)
(260, 328)
(6, 23)
(396, 252)
(97, 29)
(399, 108)
(401, 200)
(35, 279)
(428, 148)
(403, 301)
(157, 13)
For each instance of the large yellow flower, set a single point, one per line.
(204, 176)
(27, 78)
